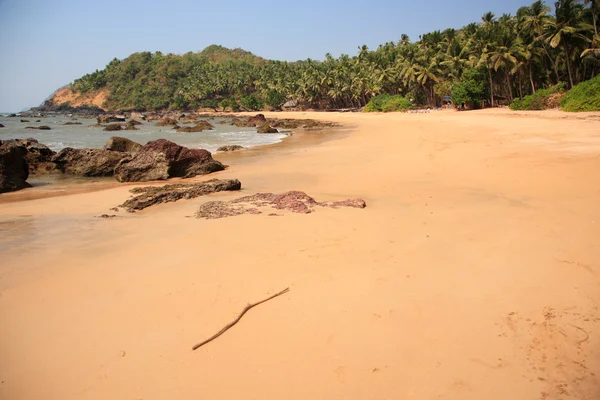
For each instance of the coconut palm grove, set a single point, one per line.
(527, 60)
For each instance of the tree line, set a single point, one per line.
(511, 56)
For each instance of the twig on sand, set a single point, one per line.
(244, 311)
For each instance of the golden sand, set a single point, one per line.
(472, 273)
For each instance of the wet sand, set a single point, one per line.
(472, 273)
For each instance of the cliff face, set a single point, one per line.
(91, 98)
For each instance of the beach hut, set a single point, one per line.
(290, 105)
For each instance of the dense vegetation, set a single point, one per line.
(583, 97)
(387, 103)
(486, 63)
(540, 100)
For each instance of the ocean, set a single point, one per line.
(87, 136)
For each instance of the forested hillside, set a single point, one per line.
(494, 61)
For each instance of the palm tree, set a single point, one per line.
(566, 29)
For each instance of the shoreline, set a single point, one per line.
(475, 263)
(53, 185)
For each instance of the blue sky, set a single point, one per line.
(45, 44)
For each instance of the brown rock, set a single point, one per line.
(266, 128)
(233, 147)
(166, 122)
(89, 162)
(112, 127)
(14, 170)
(162, 159)
(43, 127)
(37, 155)
(72, 123)
(200, 126)
(122, 144)
(148, 196)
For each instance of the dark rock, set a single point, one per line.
(166, 122)
(72, 123)
(1, 126)
(37, 155)
(134, 122)
(233, 147)
(89, 162)
(38, 120)
(148, 196)
(130, 126)
(121, 144)
(43, 127)
(112, 127)
(12, 115)
(266, 128)
(106, 119)
(162, 159)
(14, 170)
(200, 126)
(24, 120)
(294, 201)
(258, 119)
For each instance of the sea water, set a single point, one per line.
(88, 136)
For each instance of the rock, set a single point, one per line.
(112, 127)
(258, 119)
(43, 127)
(24, 120)
(14, 170)
(37, 155)
(162, 159)
(266, 128)
(294, 201)
(12, 115)
(72, 123)
(134, 122)
(200, 126)
(148, 196)
(106, 119)
(130, 126)
(1, 126)
(242, 123)
(89, 162)
(38, 120)
(122, 144)
(233, 147)
(166, 122)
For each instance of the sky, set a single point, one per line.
(46, 44)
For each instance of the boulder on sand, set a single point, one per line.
(162, 159)
(122, 144)
(14, 170)
(88, 162)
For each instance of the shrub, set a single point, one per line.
(387, 103)
(472, 90)
(251, 103)
(583, 97)
(540, 100)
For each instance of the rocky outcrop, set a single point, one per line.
(257, 120)
(89, 162)
(107, 119)
(37, 155)
(166, 122)
(149, 196)
(233, 147)
(42, 128)
(14, 170)
(200, 126)
(266, 128)
(122, 144)
(294, 201)
(112, 127)
(162, 159)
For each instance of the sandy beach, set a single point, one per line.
(473, 272)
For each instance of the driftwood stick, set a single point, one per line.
(244, 311)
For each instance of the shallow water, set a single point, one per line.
(87, 136)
